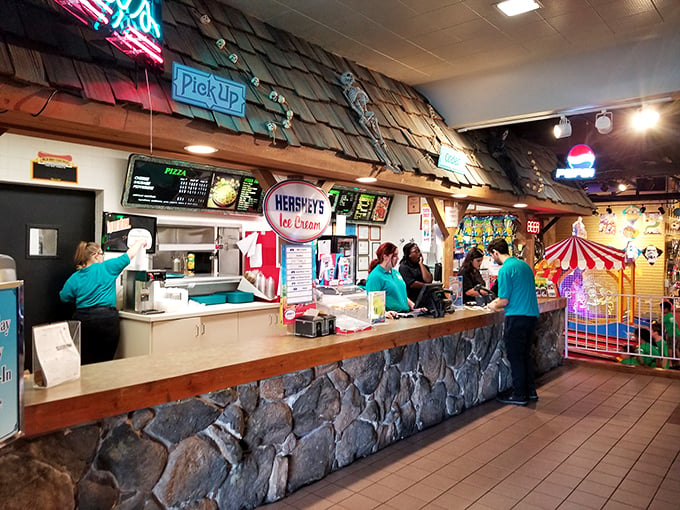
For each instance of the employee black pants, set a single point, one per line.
(518, 336)
(99, 333)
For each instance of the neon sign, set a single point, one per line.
(132, 26)
(533, 227)
(581, 161)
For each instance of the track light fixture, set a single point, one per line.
(604, 122)
(595, 213)
(642, 209)
(609, 210)
(645, 118)
(563, 128)
(662, 210)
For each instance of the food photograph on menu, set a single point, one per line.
(381, 208)
(224, 192)
(364, 207)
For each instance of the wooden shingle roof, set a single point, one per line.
(72, 59)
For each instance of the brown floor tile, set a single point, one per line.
(553, 489)
(631, 498)
(396, 482)
(332, 492)
(453, 501)
(545, 501)
(379, 492)
(586, 499)
(359, 502)
(403, 501)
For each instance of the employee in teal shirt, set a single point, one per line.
(383, 275)
(92, 288)
(517, 295)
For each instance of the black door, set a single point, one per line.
(71, 213)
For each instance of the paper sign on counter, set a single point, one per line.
(56, 354)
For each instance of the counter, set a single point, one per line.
(290, 408)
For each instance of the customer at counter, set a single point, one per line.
(382, 275)
(414, 272)
(517, 295)
(472, 277)
(92, 288)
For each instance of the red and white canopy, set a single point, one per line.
(577, 252)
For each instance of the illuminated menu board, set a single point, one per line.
(167, 184)
(250, 196)
(364, 207)
(381, 208)
(345, 202)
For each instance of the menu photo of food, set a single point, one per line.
(381, 208)
(224, 192)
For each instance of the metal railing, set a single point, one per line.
(610, 327)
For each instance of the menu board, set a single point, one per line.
(164, 183)
(381, 208)
(250, 196)
(345, 202)
(118, 227)
(364, 207)
(168, 184)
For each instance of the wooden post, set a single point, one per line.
(448, 233)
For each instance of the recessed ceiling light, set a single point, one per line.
(515, 7)
(520, 205)
(459, 195)
(200, 149)
(366, 179)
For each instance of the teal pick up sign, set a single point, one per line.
(208, 91)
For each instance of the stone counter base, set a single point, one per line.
(255, 443)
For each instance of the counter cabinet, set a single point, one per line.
(259, 419)
(154, 335)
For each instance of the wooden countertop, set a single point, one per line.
(197, 310)
(120, 386)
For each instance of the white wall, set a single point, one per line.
(103, 171)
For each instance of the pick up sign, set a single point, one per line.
(297, 211)
(208, 91)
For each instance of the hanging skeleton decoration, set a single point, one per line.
(358, 99)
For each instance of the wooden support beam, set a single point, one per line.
(264, 178)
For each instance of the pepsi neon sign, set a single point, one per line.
(581, 162)
(132, 26)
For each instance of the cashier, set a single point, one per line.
(383, 275)
(92, 288)
(414, 272)
(472, 277)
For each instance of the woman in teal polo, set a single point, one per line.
(383, 275)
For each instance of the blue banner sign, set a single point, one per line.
(208, 91)
(11, 360)
(451, 159)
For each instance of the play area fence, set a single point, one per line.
(608, 329)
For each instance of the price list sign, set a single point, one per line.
(168, 185)
(250, 196)
(299, 274)
(364, 207)
(345, 202)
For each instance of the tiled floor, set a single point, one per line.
(597, 438)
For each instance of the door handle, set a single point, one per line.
(197, 331)
(202, 328)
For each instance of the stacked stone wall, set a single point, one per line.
(255, 443)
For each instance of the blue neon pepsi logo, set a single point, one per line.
(208, 91)
(581, 162)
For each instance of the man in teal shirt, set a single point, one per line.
(517, 295)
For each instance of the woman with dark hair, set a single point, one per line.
(92, 288)
(414, 272)
(383, 276)
(469, 270)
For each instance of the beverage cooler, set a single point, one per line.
(336, 260)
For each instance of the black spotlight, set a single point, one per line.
(662, 210)
(642, 209)
(595, 213)
(609, 210)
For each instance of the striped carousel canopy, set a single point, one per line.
(577, 252)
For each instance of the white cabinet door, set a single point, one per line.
(258, 323)
(176, 335)
(218, 330)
